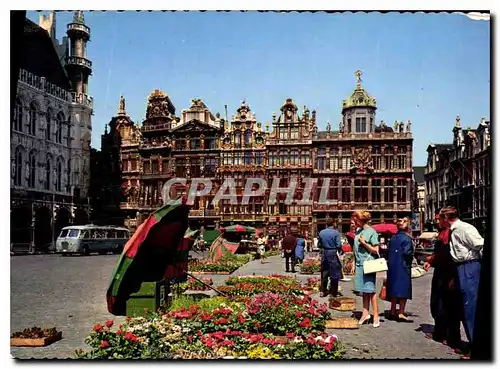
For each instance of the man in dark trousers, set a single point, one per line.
(288, 245)
(331, 267)
(446, 299)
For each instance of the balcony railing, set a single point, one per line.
(78, 27)
(40, 83)
(78, 60)
(129, 205)
(83, 99)
(277, 141)
(203, 213)
(159, 127)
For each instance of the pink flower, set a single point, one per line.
(109, 323)
(131, 337)
(105, 344)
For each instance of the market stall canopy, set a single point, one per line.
(156, 251)
(385, 228)
(222, 246)
(428, 236)
(238, 228)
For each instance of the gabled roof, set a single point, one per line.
(39, 56)
(418, 174)
(439, 147)
(194, 125)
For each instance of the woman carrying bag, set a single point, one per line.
(366, 251)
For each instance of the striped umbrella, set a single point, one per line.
(238, 229)
(222, 246)
(156, 251)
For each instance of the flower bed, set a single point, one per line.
(310, 266)
(195, 285)
(35, 337)
(268, 325)
(313, 284)
(251, 285)
(225, 265)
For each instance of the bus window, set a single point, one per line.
(85, 235)
(64, 233)
(73, 233)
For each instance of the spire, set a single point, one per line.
(121, 108)
(78, 17)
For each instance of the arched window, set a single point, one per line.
(18, 166)
(18, 117)
(32, 119)
(59, 127)
(59, 172)
(32, 170)
(248, 137)
(237, 139)
(48, 173)
(48, 129)
(68, 176)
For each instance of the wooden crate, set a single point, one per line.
(35, 342)
(342, 323)
(343, 303)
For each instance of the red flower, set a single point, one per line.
(128, 319)
(290, 335)
(328, 347)
(241, 319)
(311, 341)
(98, 328)
(109, 323)
(105, 344)
(298, 314)
(198, 333)
(306, 323)
(119, 332)
(258, 325)
(190, 339)
(131, 337)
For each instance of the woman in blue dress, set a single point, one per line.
(365, 248)
(299, 248)
(400, 253)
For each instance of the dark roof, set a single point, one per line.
(443, 147)
(418, 174)
(39, 56)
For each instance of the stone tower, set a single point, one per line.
(79, 68)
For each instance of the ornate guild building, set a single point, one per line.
(50, 134)
(362, 165)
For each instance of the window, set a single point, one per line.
(294, 157)
(401, 158)
(237, 139)
(376, 157)
(59, 127)
(48, 174)
(349, 127)
(134, 164)
(211, 166)
(18, 117)
(180, 143)
(225, 158)
(294, 133)
(283, 133)
(237, 158)
(195, 143)
(272, 159)
(248, 158)
(345, 161)
(376, 189)
(180, 168)
(304, 158)
(361, 190)
(389, 158)
(18, 167)
(59, 170)
(48, 128)
(73, 233)
(64, 233)
(259, 158)
(321, 159)
(68, 176)
(346, 190)
(283, 158)
(360, 124)
(195, 168)
(147, 167)
(32, 120)
(210, 143)
(155, 167)
(401, 190)
(248, 137)
(389, 190)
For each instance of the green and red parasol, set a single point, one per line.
(158, 250)
(238, 228)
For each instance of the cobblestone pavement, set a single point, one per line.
(69, 293)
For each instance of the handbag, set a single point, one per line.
(383, 291)
(375, 265)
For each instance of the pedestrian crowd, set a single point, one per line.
(456, 261)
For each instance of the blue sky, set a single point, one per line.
(427, 68)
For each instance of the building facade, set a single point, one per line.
(50, 134)
(458, 174)
(363, 165)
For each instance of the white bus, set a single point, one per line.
(91, 238)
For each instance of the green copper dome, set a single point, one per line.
(359, 97)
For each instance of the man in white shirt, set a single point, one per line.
(466, 247)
